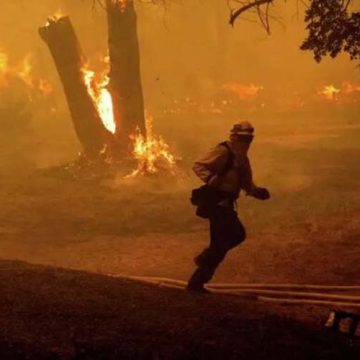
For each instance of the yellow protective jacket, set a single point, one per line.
(239, 176)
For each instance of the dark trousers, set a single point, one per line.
(226, 232)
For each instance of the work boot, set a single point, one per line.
(199, 278)
(197, 289)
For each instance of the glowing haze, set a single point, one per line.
(223, 73)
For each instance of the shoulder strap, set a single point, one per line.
(230, 160)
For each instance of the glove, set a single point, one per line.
(261, 193)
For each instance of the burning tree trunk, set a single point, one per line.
(125, 78)
(64, 46)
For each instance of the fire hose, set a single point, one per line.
(285, 294)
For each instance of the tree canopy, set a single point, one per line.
(332, 27)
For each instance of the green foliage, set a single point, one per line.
(332, 29)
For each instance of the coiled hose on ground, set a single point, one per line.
(335, 296)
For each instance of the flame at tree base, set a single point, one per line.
(151, 152)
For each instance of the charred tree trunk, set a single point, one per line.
(125, 78)
(65, 48)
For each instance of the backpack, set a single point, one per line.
(205, 198)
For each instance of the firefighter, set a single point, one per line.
(225, 169)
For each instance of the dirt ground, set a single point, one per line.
(49, 313)
(307, 233)
(82, 226)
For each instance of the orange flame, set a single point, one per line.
(97, 89)
(23, 71)
(151, 152)
(243, 91)
(329, 92)
(349, 88)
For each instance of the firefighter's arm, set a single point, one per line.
(211, 164)
(248, 185)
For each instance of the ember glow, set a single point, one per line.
(97, 88)
(122, 3)
(45, 87)
(57, 16)
(151, 152)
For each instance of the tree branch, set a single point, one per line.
(236, 13)
(346, 5)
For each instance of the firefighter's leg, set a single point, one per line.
(206, 270)
(236, 232)
(226, 232)
(212, 256)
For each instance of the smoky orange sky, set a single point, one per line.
(186, 47)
